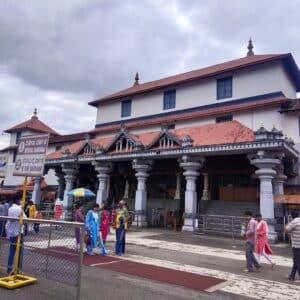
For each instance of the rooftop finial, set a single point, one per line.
(136, 79)
(35, 113)
(250, 48)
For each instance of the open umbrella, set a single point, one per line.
(81, 192)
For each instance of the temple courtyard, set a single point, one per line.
(164, 264)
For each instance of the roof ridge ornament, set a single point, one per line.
(34, 113)
(66, 152)
(187, 141)
(250, 48)
(123, 127)
(136, 79)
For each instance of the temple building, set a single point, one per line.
(224, 134)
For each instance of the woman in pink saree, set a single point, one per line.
(104, 225)
(262, 246)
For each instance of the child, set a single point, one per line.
(120, 233)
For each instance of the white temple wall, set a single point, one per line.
(253, 81)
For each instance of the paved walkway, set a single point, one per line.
(201, 255)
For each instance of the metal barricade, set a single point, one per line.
(219, 224)
(50, 249)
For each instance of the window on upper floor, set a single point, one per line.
(18, 136)
(226, 118)
(126, 108)
(224, 87)
(169, 99)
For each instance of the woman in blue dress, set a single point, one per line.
(92, 228)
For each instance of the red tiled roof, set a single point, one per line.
(211, 134)
(102, 142)
(194, 75)
(193, 115)
(67, 137)
(35, 124)
(214, 134)
(73, 148)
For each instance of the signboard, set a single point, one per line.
(3, 163)
(31, 155)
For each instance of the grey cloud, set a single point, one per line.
(58, 55)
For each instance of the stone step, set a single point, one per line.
(231, 208)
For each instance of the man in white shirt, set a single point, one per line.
(12, 231)
(293, 228)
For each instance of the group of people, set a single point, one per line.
(10, 228)
(97, 226)
(257, 245)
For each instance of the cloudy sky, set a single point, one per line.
(57, 55)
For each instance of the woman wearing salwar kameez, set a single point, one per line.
(104, 227)
(92, 228)
(262, 246)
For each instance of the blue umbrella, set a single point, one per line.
(81, 192)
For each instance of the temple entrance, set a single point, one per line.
(231, 179)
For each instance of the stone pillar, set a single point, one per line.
(126, 192)
(103, 169)
(279, 180)
(205, 193)
(61, 184)
(265, 162)
(191, 165)
(70, 170)
(36, 194)
(178, 186)
(142, 168)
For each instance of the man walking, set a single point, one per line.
(294, 229)
(12, 232)
(250, 235)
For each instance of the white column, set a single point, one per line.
(126, 192)
(205, 187)
(61, 184)
(70, 170)
(36, 194)
(142, 168)
(103, 169)
(265, 162)
(279, 180)
(178, 186)
(191, 165)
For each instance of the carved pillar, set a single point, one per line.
(36, 194)
(142, 168)
(103, 169)
(61, 184)
(126, 192)
(178, 186)
(205, 193)
(265, 162)
(205, 187)
(279, 180)
(70, 170)
(191, 165)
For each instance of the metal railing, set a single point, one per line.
(219, 224)
(49, 249)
